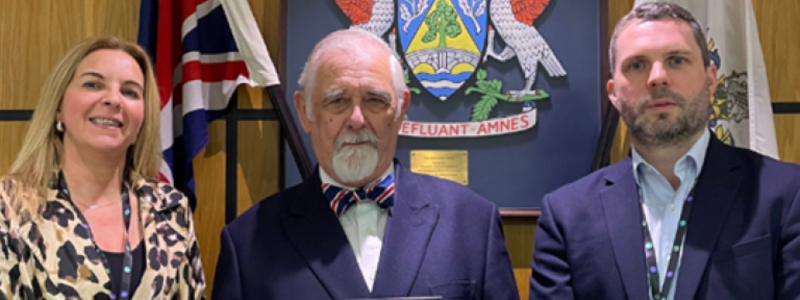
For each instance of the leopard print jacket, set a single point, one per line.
(52, 257)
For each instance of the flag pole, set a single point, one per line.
(609, 114)
(602, 154)
(289, 130)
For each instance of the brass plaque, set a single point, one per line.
(445, 164)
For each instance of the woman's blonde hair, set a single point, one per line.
(40, 159)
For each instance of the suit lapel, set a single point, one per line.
(156, 210)
(715, 192)
(152, 245)
(408, 231)
(624, 221)
(317, 234)
(44, 230)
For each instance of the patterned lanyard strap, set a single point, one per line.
(674, 257)
(127, 262)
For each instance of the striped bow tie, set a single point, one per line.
(340, 199)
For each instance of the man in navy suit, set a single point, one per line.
(686, 216)
(362, 226)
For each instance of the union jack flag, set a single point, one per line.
(202, 50)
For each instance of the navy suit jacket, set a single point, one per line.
(440, 239)
(742, 241)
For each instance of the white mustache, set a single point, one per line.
(360, 137)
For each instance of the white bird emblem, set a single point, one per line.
(513, 19)
(375, 17)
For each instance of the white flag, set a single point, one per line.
(742, 110)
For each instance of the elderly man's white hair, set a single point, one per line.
(352, 41)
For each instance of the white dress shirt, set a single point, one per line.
(364, 224)
(664, 204)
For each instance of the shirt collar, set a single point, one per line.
(695, 155)
(325, 178)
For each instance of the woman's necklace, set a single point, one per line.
(93, 207)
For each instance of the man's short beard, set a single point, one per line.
(662, 131)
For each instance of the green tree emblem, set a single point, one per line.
(442, 24)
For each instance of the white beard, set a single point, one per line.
(354, 163)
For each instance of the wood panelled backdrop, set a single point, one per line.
(35, 34)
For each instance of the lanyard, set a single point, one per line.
(674, 257)
(127, 262)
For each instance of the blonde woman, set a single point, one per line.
(83, 216)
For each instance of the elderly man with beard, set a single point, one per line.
(362, 226)
(686, 216)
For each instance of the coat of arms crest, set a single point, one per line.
(444, 43)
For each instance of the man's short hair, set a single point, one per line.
(654, 11)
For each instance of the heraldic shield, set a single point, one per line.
(442, 41)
